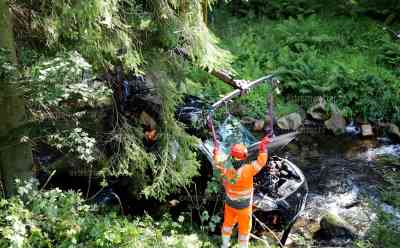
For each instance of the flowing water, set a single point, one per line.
(345, 176)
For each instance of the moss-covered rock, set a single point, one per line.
(336, 123)
(333, 226)
(290, 122)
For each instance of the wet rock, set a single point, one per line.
(313, 227)
(314, 153)
(336, 123)
(300, 223)
(334, 227)
(319, 111)
(302, 113)
(299, 241)
(366, 130)
(293, 148)
(384, 140)
(258, 125)
(351, 204)
(307, 226)
(290, 122)
(394, 130)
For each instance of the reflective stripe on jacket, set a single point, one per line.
(239, 183)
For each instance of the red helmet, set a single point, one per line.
(239, 151)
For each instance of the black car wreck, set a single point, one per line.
(280, 188)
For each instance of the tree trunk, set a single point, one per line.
(16, 156)
(205, 11)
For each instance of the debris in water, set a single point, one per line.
(352, 129)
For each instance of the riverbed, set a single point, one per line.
(346, 176)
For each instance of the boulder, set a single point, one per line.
(293, 148)
(258, 125)
(394, 131)
(290, 122)
(302, 113)
(366, 130)
(337, 123)
(332, 226)
(319, 111)
(308, 226)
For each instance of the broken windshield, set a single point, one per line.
(231, 132)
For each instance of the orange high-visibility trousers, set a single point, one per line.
(243, 218)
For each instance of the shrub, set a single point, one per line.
(274, 8)
(389, 54)
(353, 62)
(56, 218)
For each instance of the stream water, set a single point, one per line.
(345, 176)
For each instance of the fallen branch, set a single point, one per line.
(120, 203)
(265, 227)
(222, 75)
(48, 179)
(260, 239)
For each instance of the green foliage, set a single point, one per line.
(63, 219)
(77, 141)
(64, 82)
(390, 53)
(7, 70)
(280, 9)
(384, 233)
(300, 34)
(65, 99)
(130, 158)
(382, 7)
(35, 218)
(171, 163)
(274, 8)
(391, 193)
(97, 29)
(60, 92)
(339, 58)
(177, 162)
(121, 31)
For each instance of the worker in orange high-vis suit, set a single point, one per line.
(238, 176)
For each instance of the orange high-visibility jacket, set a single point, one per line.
(239, 183)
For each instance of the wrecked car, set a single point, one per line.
(280, 188)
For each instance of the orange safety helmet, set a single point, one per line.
(239, 151)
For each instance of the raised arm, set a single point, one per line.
(262, 157)
(218, 162)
